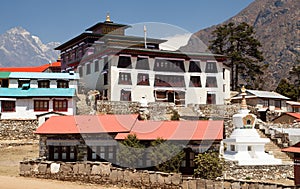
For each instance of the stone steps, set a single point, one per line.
(276, 151)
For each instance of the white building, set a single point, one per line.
(127, 68)
(27, 95)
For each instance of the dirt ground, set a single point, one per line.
(11, 155)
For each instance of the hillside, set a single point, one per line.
(277, 27)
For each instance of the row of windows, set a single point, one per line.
(167, 80)
(38, 105)
(45, 83)
(159, 65)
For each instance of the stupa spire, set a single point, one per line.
(243, 94)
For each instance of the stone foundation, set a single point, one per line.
(104, 173)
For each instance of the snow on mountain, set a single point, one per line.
(19, 48)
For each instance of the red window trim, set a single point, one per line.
(40, 109)
(63, 109)
(3, 110)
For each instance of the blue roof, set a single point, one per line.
(37, 92)
(43, 75)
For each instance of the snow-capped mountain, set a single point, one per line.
(19, 48)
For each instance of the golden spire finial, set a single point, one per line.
(244, 103)
(107, 17)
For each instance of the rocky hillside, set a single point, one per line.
(277, 26)
(19, 48)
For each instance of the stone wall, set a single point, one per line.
(105, 173)
(18, 129)
(158, 111)
(265, 172)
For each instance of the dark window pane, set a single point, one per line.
(194, 66)
(142, 63)
(124, 62)
(211, 67)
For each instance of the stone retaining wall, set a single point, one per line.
(18, 129)
(265, 172)
(104, 173)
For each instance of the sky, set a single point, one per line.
(61, 20)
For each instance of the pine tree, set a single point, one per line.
(130, 152)
(239, 44)
(165, 155)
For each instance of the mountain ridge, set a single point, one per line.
(277, 27)
(19, 48)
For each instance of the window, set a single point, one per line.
(102, 153)
(60, 105)
(125, 95)
(265, 102)
(80, 71)
(96, 68)
(211, 67)
(211, 98)
(4, 83)
(211, 82)
(124, 62)
(195, 81)
(169, 65)
(124, 78)
(21, 82)
(194, 66)
(142, 63)
(88, 68)
(8, 106)
(41, 105)
(169, 81)
(44, 84)
(278, 104)
(143, 79)
(62, 84)
(224, 71)
(62, 153)
(232, 148)
(249, 148)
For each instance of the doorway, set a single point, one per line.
(171, 96)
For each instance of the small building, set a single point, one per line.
(295, 152)
(126, 68)
(264, 101)
(293, 106)
(287, 118)
(96, 137)
(24, 95)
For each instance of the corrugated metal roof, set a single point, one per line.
(267, 94)
(4, 75)
(43, 75)
(37, 92)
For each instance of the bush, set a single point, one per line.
(209, 165)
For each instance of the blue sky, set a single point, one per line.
(61, 20)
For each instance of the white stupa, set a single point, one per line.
(244, 144)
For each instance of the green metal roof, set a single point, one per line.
(4, 75)
(37, 92)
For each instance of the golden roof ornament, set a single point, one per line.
(243, 94)
(107, 18)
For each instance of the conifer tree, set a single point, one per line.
(238, 43)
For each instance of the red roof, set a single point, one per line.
(87, 124)
(176, 130)
(128, 124)
(41, 68)
(295, 115)
(293, 149)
